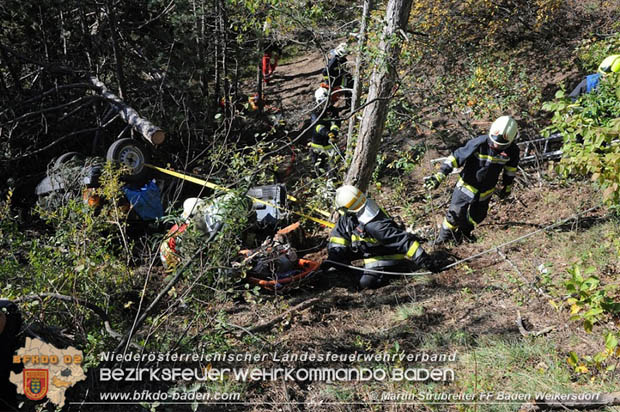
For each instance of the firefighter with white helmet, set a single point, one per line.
(365, 231)
(483, 159)
(610, 65)
(207, 216)
(324, 133)
(335, 74)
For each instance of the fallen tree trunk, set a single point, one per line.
(148, 130)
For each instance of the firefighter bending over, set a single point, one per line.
(365, 231)
(483, 159)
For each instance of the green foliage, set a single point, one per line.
(589, 127)
(592, 51)
(82, 257)
(591, 303)
(588, 301)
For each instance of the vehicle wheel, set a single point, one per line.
(130, 153)
(69, 157)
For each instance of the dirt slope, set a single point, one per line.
(482, 297)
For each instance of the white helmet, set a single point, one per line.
(341, 50)
(350, 198)
(191, 206)
(320, 95)
(503, 132)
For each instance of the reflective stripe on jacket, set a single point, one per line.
(482, 166)
(380, 242)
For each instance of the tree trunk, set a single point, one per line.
(224, 34)
(259, 74)
(147, 129)
(381, 84)
(355, 97)
(216, 45)
(118, 55)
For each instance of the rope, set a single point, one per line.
(222, 188)
(458, 262)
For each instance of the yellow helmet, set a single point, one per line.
(350, 199)
(503, 132)
(610, 64)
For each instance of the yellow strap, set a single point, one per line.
(322, 148)
(486, 194)
(218, 187)
(414, 248)
(469, 187)
(452, 161)
(386, 257)
(448, 225)
(338, 240)
(492, 159)
(356, 238)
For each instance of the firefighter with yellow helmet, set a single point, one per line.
(611, 64)
(365, 231)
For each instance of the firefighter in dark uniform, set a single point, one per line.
(365, 231)
(483, 160)
(611, 64)
(324, 134)
(10, 325)
(335, 74)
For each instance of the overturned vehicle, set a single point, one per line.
(74, 175)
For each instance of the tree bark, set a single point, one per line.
(259, 74)
(355, 97)
(118, 55)
(381, 84)
(216, 46)
(224, 33)
(148, 130)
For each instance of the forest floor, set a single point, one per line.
(471, 309)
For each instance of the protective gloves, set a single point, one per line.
(433, 264)
(433, 181)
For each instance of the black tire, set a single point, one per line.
(131, 153)
(69, 157)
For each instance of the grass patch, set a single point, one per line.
(411, 310)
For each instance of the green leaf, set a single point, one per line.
(587, 325)
(573, 359)
(611, 341)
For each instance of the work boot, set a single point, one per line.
(444, 236)
(469, 237)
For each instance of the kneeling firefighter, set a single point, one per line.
(365, 231)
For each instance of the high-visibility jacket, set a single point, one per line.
(321, 132)
(482, 166)
(376, 239)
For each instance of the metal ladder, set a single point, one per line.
(543, 148)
